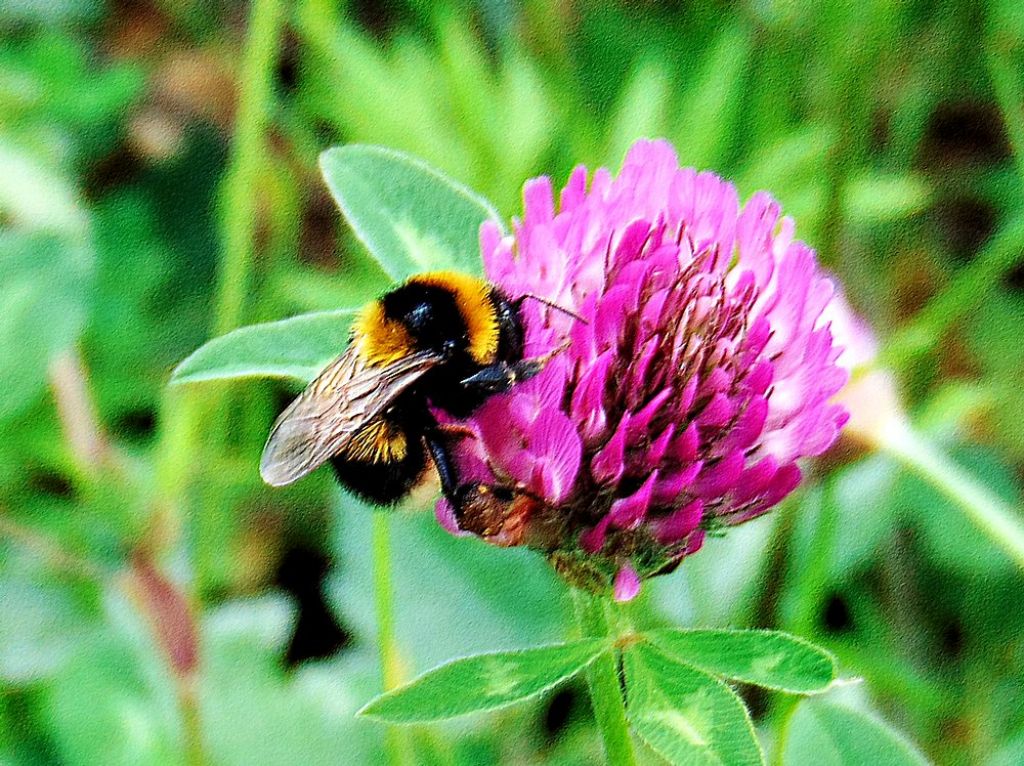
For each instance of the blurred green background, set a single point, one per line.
(158, 186)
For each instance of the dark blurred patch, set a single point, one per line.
(1014, 279)
(280, 397)
(118, 168)
(317, 634)
(323, 133)
(757, 700)
(135, 425)
(46, 481)
(958, 731)
(965, 224)
(914, 280)
(952, 637)
(27, 738)
(963, 132)
(379, 19)
(846, 451)
(836, 616)
(879, 130)
(562, 708)
(288, 63)
(318, 234)
(137, 29)
(956, 360)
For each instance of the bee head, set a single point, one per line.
(430, 315)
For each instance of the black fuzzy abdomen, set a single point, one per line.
(383, 483)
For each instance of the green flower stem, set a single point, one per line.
(238, 220)
(784, 715)
(992, 515)
(397, 741)
(807, 581)
(248, 150)
(603, 680)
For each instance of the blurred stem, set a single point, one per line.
(784, 715)
(177, 518)
(76, 409)
(49, 550)
(238, 224)
(192, 724)
(993, 516)
(248, 150)
(177, 451)
(100, 470)
(384, 600)
(397, 740)
(592, 617)
(1010, 103)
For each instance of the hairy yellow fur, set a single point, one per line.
(380, 341)
(378, 442)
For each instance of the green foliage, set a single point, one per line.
(825, 734)
(50, 89)
(103, 708)
(764, 658)
(45, 283)
(502, 599)
(483, 682)
(410, 217)
(252, 706)
(892, 135)
(687, 716)
(296, 348)
(45, 622)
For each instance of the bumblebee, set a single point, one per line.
(442, 339)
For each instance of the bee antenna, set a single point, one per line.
(551, 305)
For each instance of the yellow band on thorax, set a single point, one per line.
(380, 340)
(473, 300)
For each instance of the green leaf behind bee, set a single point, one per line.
(296, 348)
(410, 217)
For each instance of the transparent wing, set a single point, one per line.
(322, 420)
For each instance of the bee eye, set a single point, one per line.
(449, 347)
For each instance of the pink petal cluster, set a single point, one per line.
(703, 370)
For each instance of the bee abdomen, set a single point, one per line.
(385, 467)
(380, 441)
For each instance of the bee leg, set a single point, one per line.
(493, 379)
(437, 444)
(456, 431)
(460, 496)
(499, 377)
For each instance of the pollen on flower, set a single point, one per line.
(704, 369)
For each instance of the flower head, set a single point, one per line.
(699, 370)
